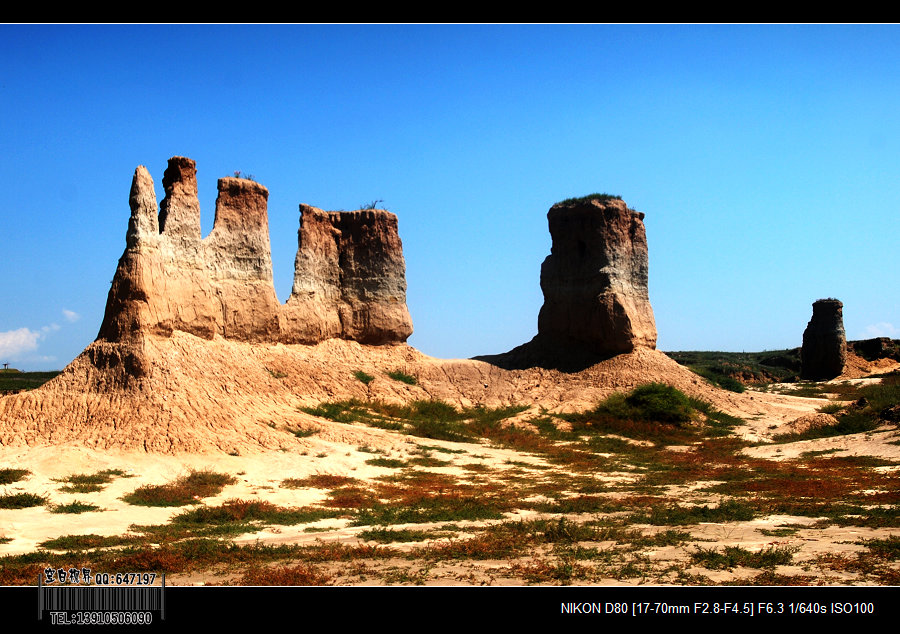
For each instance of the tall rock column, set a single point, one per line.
(596, 303)
(239, 260)
(824, 350)
(373, 277)
(349, 279)
(595, 279)
(179, 212)
(182, 293)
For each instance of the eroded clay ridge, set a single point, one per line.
(349, 279)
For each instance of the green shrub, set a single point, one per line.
(8, 476)
(186, 490)
(364, 377)
(85, 542)
(21, 501)
(660, 402)
(390, 535)
(399, 375)
(884, 548)
(235, 511)
(339, 412)
(675, 515)
(583, 199)
(732, 556)
(391, 463)
(651, 402)
(74, 507)
(90, 482)
(371, 205)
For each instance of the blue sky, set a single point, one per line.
(766, 159)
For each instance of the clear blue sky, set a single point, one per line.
(766, 159)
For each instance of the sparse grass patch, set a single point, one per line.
(391, 463)
(318, 481)
(19, 575)
(874, 517)
(884, 548)
(428, 461)
(423, 418)
(8, 476)
(675, 515)
(578, 504)
(777, 532)
(364, 377)
(771, 578)
(495, 542)
(441, 449)
(331, 551)
(583, 199)
(350, 498)
(168, 533)
(186, 490)
(869, 565)
(808, 390)
(235, 511)
(74, 507)
(567, 531)
(21, 500)
(818, 453)
(332, 411)
(403, 377)
(299, 575)
(733, 556)
(90, 483)
(450, 507)
(665, 538)
(86, 542)
(384, 535)
(561, 570)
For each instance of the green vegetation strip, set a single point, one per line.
(8, 476)
(186, 490)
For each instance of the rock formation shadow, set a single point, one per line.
(534, 354)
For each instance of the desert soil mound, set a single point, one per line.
(192, 395)
(857, 367)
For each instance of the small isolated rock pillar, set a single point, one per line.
(824, 350)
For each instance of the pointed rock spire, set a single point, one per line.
(143, 226)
